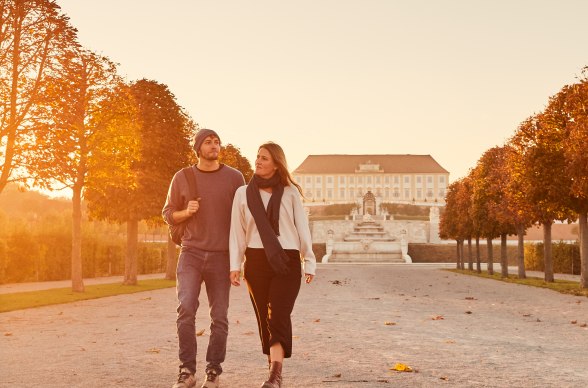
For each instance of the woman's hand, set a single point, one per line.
(309, 278)
(235, 276)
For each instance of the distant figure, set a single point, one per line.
(204, 255)
(269, 226)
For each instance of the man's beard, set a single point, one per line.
(210, 157)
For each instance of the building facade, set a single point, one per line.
(391, 178)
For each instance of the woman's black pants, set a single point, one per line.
(273, 297)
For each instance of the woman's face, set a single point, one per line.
(264, 164)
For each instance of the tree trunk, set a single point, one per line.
(521, 251)
(131, 258)
(77, 280)
(490, 261)
(172, 260)
(457, 253)
(462, 261)
(547, 251)
(470, 258)
(583, 221)
(503, 256)
(478, 264)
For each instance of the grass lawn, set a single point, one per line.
(563, 286)
(25, 300)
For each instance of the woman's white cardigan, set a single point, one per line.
(294, 229)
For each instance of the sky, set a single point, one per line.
(447, 78)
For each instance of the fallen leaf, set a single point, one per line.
(450, 342)
(7, 334)
(317, 320)
(443, 378)
(401, 368)
(574, 322)
(388, 323)
(468, 312)
(526, 315)
(470, 298)
(583, 325)
(153, 350)
(336, 375)
(437, 318)
(148, 298)
(200, 332)
(538, 320)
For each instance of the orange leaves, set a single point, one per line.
(399, 367)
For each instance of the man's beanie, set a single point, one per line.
(200, 136)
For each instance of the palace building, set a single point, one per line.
(390, 178)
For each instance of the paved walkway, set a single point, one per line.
(351, 326)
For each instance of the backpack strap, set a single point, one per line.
(191, 177)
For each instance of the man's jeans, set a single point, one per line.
(194, 267)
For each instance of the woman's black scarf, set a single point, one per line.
(268, 223)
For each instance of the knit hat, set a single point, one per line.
(200, 136)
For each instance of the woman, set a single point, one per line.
(270, 227)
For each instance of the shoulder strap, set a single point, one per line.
(191, 177)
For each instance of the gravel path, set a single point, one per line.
(351, 326)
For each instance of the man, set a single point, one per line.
(204, 255)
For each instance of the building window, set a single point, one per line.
(308, 193)
(341, 193)
(419, 193)
(396, 180)
(330, 193)
(368, 180)
(429, 180)
(299, 180)
(377, 180)
(396, 192)
(351, 180)
(341, 180)
(359, 179)
(387, 180)
(407, 180)
(430, 193)
(406, 193)
(308, 181)
(386, 192)
(329, 180)
(418, 179)
(351, 193)
(441, 193)
(441, 179)
(318, 180)
(318, 193)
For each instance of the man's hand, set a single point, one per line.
(192, 207)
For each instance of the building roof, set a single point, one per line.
(390, 164)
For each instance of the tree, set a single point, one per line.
(455, 222)
(231, 156)
(543, 181)
(89, 118)
(34, 35)
(575, 146)
(517, 207)
(164, 132)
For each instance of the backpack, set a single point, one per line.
(176, 232)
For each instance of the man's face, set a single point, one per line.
(210, 148)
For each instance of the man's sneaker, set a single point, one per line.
(185, 379)
(212, 379)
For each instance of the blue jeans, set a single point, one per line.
(194, 267)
